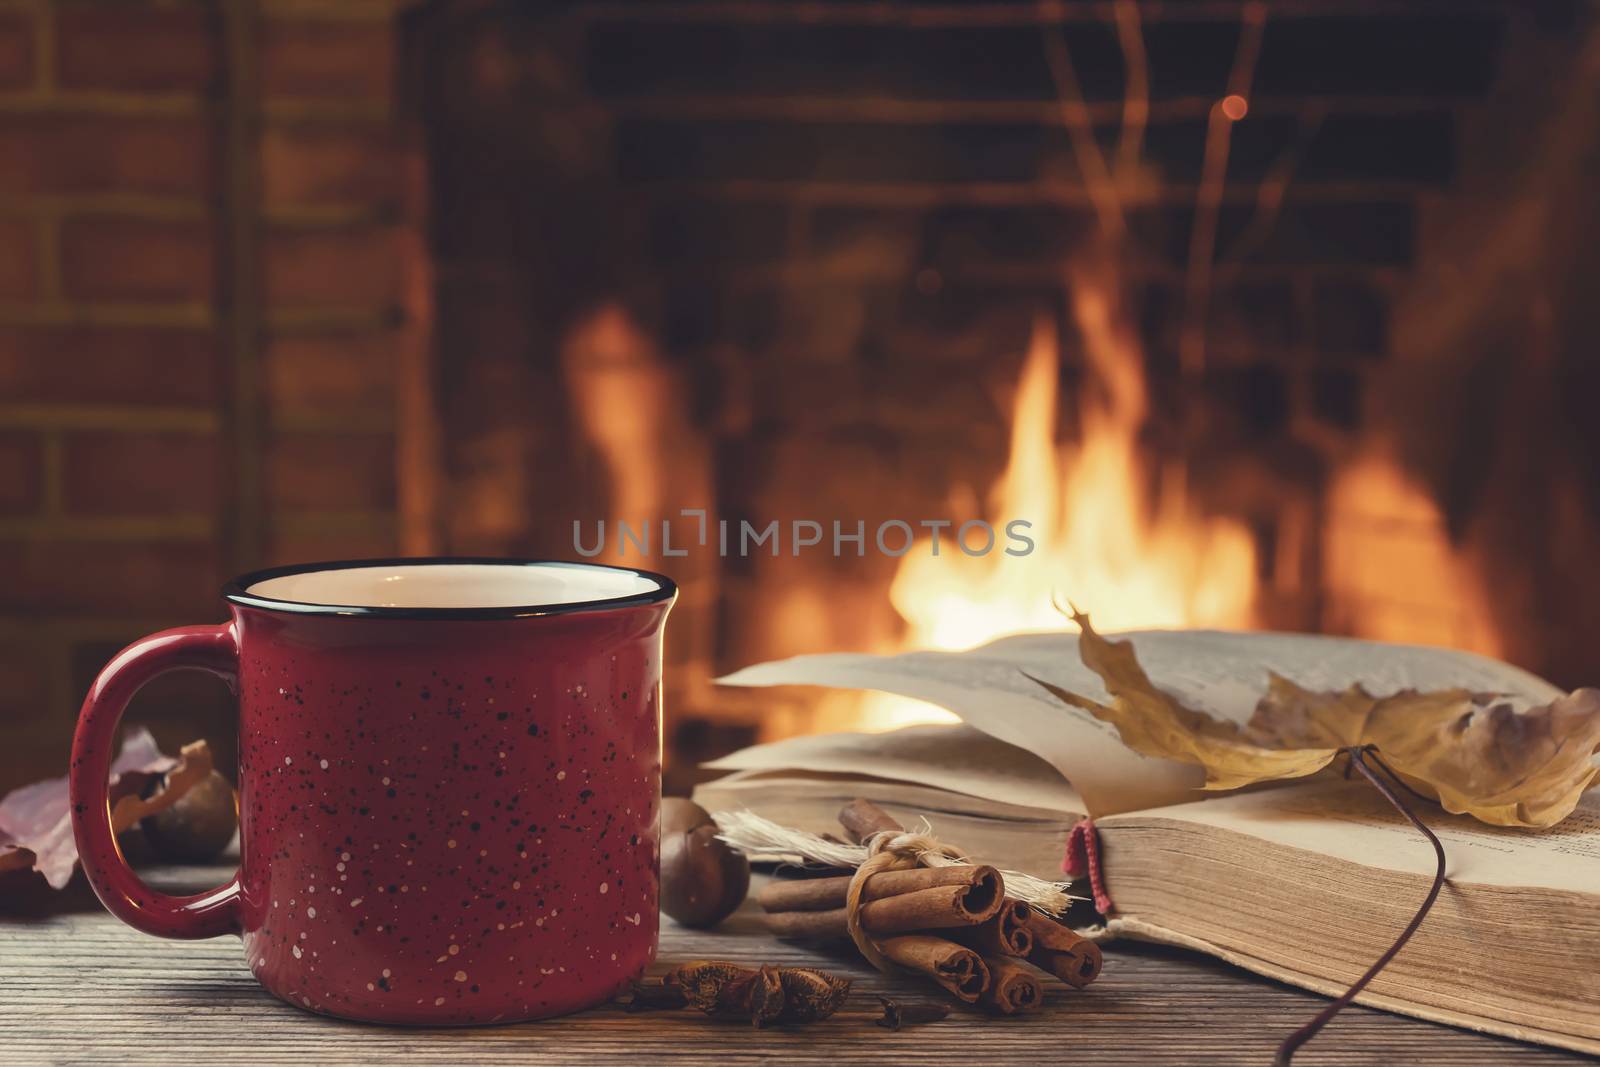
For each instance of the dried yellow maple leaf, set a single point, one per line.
(1474, 753)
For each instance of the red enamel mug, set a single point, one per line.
(449, 784)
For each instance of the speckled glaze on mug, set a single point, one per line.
(448, 801)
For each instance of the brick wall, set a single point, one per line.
(203, 262)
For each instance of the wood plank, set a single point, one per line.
(83, 988)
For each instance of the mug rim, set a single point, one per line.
(237, 590)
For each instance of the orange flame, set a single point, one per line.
(1099, 541)
(1389, 567)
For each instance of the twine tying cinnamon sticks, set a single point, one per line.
(888, 850)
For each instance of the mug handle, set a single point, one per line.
(213, 649)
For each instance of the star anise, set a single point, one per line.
(762, 996)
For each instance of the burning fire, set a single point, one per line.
(1391, 570)
(1100, 540)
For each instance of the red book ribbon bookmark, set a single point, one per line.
(1083, 858)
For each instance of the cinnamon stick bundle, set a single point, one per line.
(1070, 957)
(957, 968)
(952, 924)
(1013, 986)
(1005, 934)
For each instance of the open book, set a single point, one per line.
(1305, 881)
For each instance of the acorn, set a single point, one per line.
(199, 824)
(680, 815)
(703, 879)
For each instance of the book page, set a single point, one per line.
(1222, 673)
(957, 759)
(1350, 821)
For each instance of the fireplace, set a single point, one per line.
(1140, 279)
(1263, 316)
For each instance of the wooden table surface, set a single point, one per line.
(79, 987)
